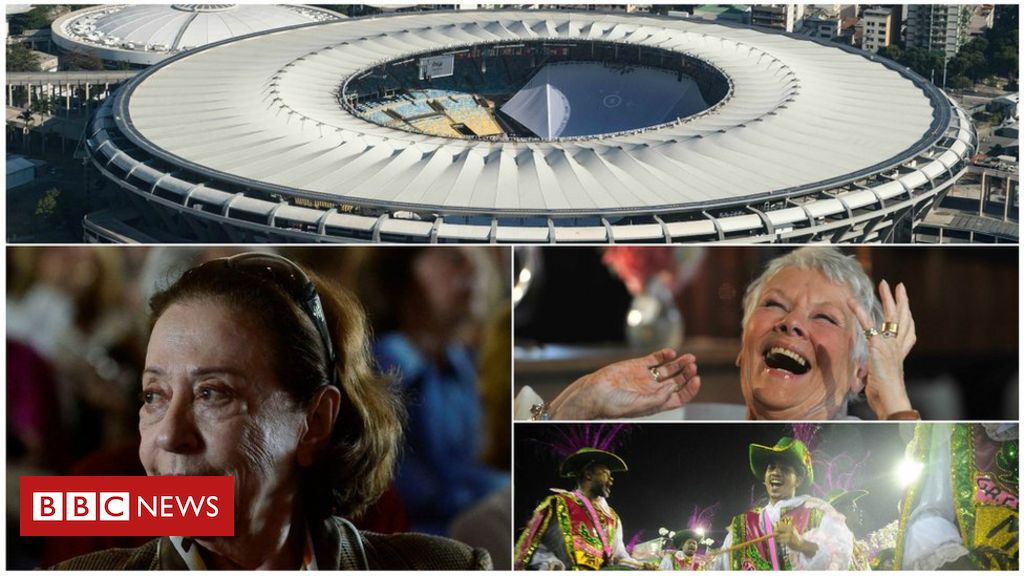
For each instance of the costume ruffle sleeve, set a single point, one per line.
(833, 538)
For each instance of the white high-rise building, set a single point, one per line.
(938, 27)
(877, 25)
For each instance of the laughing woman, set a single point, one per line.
(815, 335)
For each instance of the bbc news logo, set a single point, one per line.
(116, 506)
(127, 505)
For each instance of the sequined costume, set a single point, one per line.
(563, 528)
(861, 557)
(964, 508)
(816, 521)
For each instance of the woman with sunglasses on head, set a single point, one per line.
(254, 370)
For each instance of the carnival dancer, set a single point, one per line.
(577, 529)
(792, 532)
(686, 555)
(962, 513)
(845, 502)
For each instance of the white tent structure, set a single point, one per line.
(588, 99)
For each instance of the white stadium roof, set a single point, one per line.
(262, 112)
(149, 33)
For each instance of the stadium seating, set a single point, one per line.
(395, 95)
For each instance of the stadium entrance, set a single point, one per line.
(535, 91)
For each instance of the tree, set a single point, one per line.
(979, 44)
(892, 52)
(82, 61)
(923, 62)
(28, 119)
(1006, 18)
(960, 83)
(47, 205)
(37, 18)
(21, 59)
(43, 105)
(1006, 62)
(1002, 43)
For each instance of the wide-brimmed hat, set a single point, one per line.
(577, 461)
(788, 449)
(842, 496)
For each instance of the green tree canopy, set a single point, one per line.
(81, 61)
(891, 52)
(21, 59)
(923, 62)
(47, 205)
(35, 19)
(996, 53)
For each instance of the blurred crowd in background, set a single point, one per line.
(77, 328)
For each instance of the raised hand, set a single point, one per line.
(787, 534)
(636, 387)
(884, 384)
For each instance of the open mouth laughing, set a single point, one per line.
(780, 358)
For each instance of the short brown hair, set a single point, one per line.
(357, 466)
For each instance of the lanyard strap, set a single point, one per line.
(771, 541)
(597, 522)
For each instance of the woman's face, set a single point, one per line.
(795, 358)
(213, 406)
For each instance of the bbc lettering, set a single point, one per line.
(127, 506)
(80, 506)
(115, 506)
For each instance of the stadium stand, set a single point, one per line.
(488, 78)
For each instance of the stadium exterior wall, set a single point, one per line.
(212, 215)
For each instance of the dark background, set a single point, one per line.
(674, 467)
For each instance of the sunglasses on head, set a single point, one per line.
(287, 275)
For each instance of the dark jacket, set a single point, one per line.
(337, 546)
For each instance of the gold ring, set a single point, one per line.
(654, 372)
(890, 329)
(870, 333)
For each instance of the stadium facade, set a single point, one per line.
(333, 133)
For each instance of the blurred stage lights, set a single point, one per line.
(908, 471)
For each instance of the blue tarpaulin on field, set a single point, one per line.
(589, 98)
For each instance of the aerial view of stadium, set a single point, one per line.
(525, 126)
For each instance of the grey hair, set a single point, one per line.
(839, 268)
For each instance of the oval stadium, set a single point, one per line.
(144, 34)
(517, 126)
